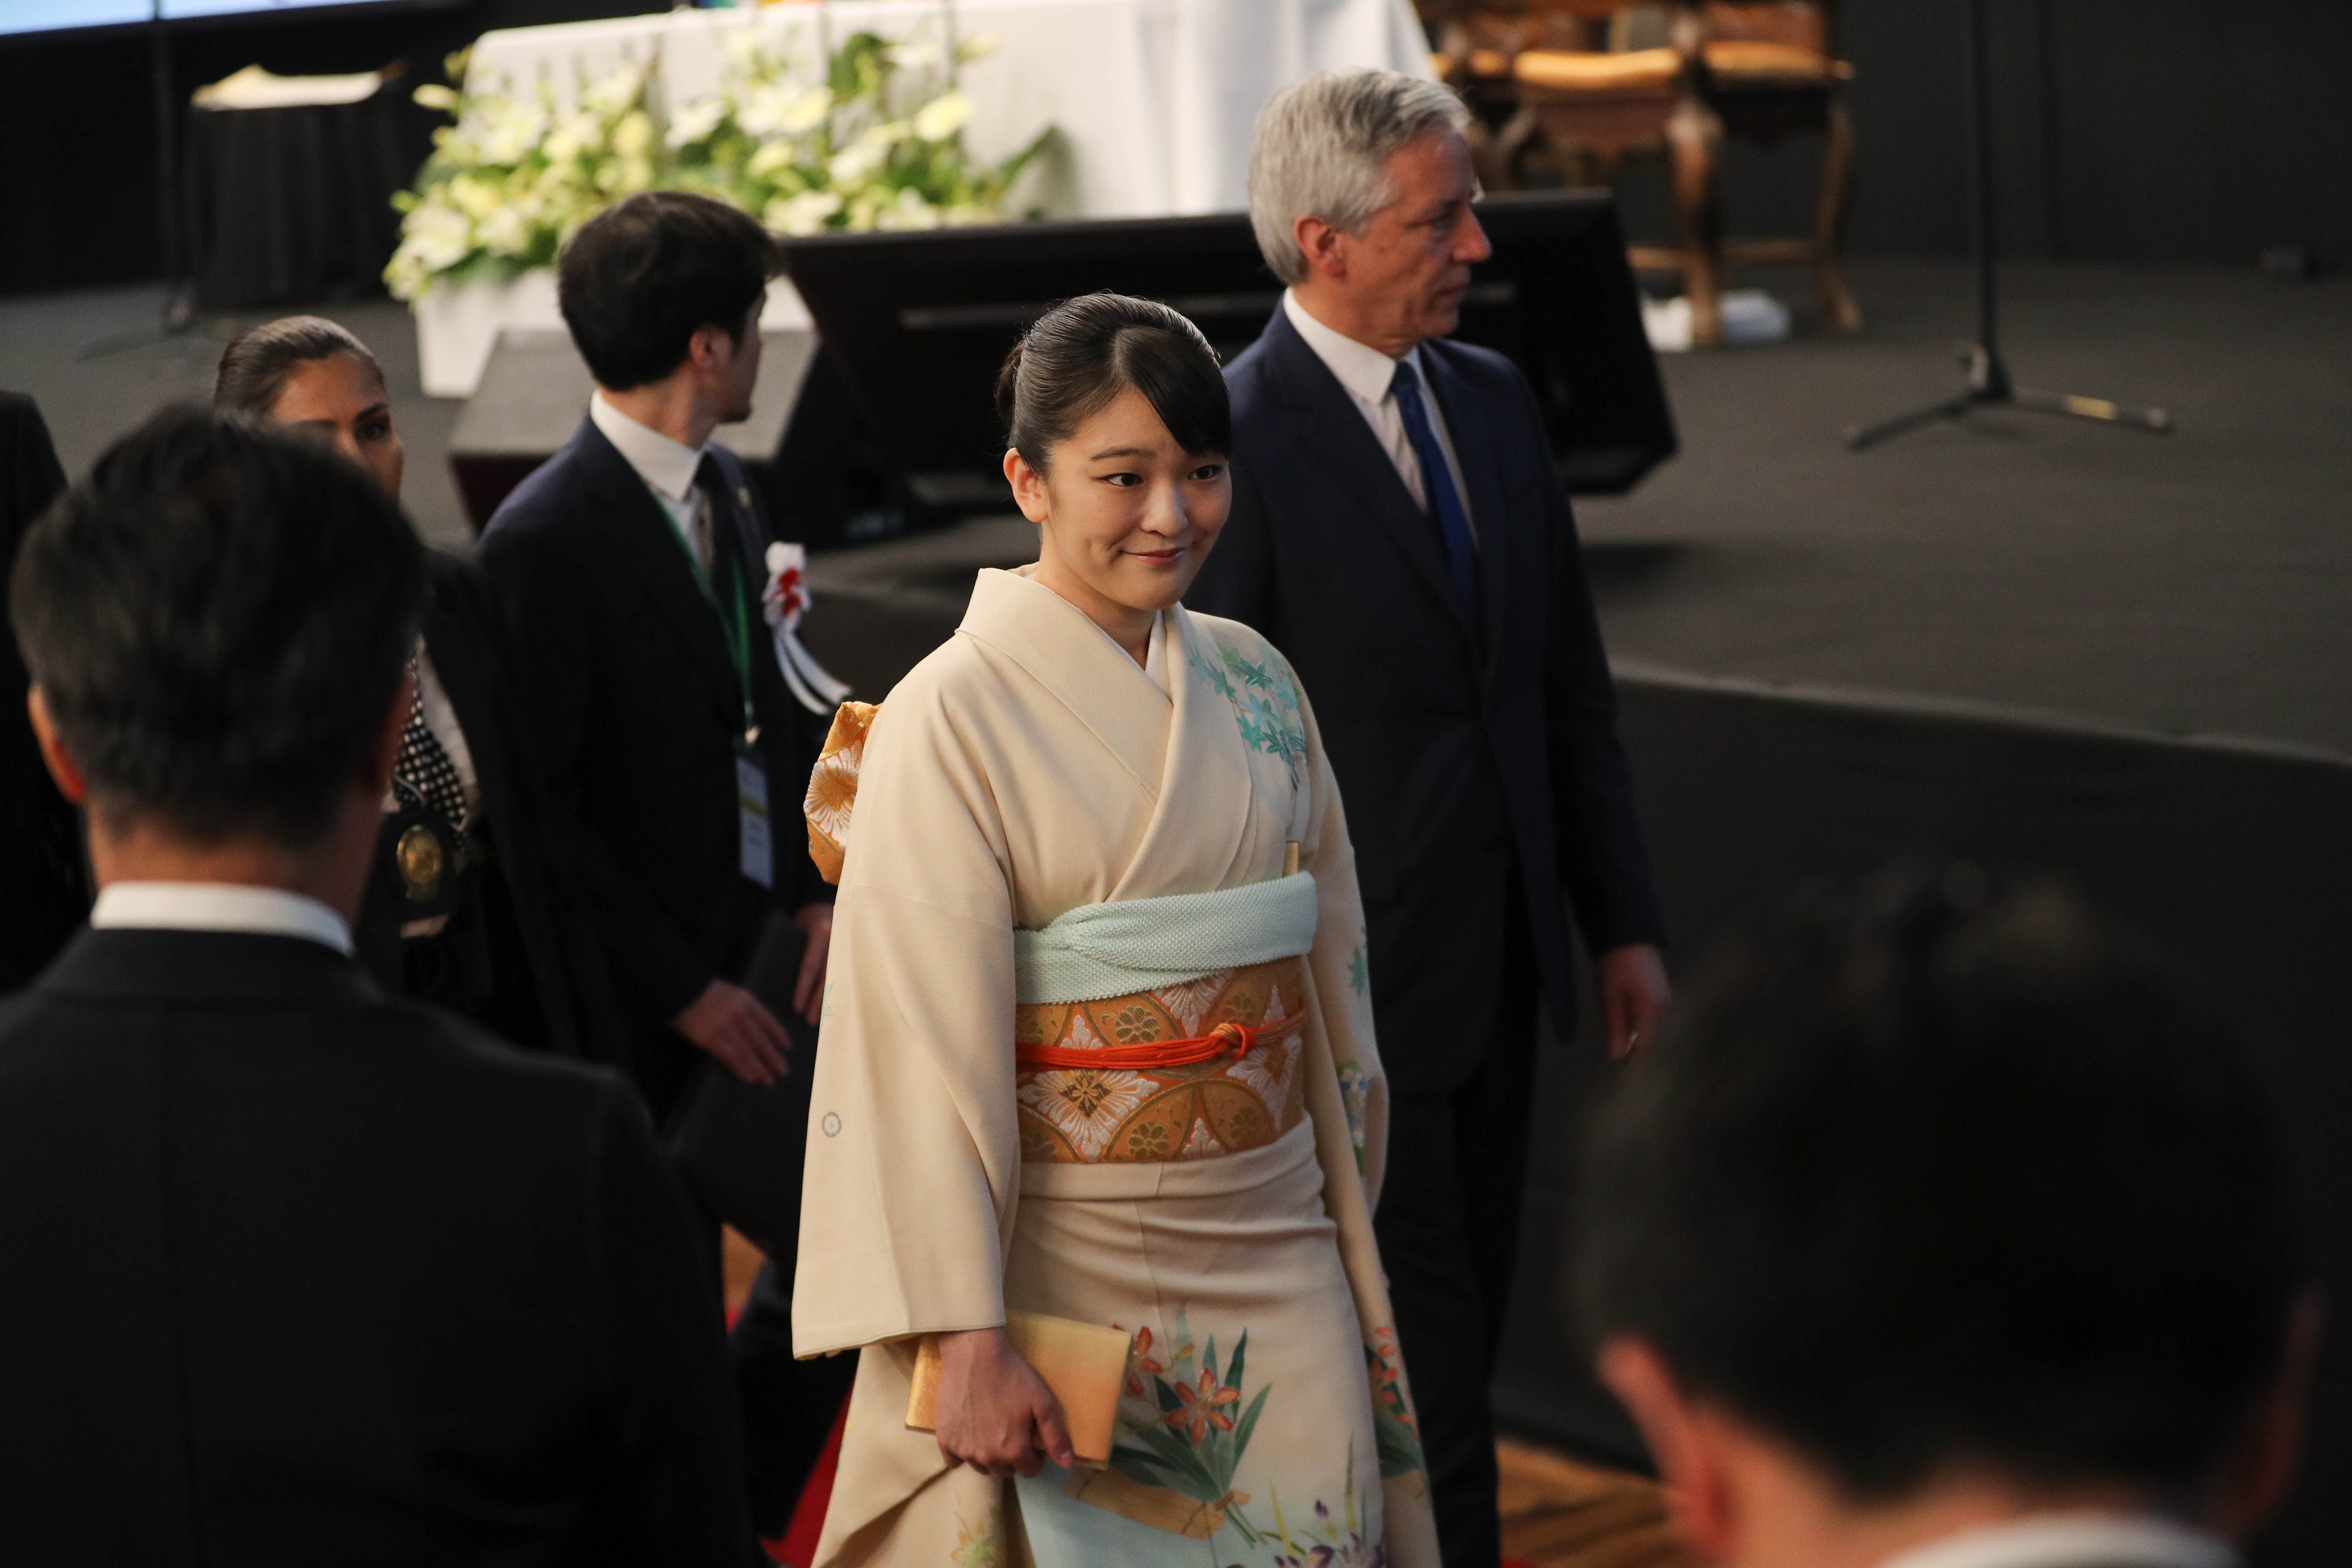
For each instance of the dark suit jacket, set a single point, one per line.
(558, 957)
(296, 1274)
(40, 836)
(1469, 757)
(625, 669)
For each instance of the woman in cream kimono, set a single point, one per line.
(1098, 1038)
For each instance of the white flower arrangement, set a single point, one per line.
(877, 143)
(513, 177)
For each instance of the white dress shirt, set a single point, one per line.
(220, 906)
(1368, 373)
(667, 468)
(2074, 1541)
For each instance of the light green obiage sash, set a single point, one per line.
(1100, 950)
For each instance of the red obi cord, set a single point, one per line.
(1156, 1056)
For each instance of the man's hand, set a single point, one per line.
(729, 1023)
(808, 991)
(1633, 995)
(995, 1414)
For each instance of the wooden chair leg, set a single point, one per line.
(1829, 221)
(1695, 137)
(1498, 166)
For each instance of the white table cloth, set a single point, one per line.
(1155, 100)
(1155, 97)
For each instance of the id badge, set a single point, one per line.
(751, 812)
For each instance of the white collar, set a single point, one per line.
(1366, 371)
(668, 466)
(220, 906)
(1155, 660)
(2057, 1541)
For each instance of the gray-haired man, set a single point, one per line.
(1400, 531)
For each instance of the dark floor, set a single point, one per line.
(2194, 582)
(2197, 581)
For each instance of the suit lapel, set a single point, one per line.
(1334, 428)
(637, 529)
(458, 662)
(1480, 472)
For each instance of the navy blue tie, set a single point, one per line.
(1437, 481)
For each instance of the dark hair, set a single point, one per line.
(218, 618)
(1946, 1169)
(642, 277)
(1085, 352)
(259, 360)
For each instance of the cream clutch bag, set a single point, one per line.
(1084, 1363)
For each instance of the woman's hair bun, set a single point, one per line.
(1084, 353)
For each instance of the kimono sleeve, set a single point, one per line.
(913, 1160)
(1340, 959)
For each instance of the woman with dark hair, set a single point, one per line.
(1097, 1047)
(459, 908)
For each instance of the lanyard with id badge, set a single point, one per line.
(757, 833)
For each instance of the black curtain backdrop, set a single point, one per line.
(2239, 858)
(2174, 130)
(77, 130)
(289, 206)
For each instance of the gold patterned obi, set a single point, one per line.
(1189, 1071)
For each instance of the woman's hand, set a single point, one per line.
(995, 1414)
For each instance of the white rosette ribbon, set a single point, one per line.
(784, 601)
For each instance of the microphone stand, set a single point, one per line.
(1989, 380)
(179, 296)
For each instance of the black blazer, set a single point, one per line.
(559, 956)
(296, 1274)
(1469, 756)
(41, 835)
(623, 665)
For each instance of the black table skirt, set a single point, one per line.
(294, 205)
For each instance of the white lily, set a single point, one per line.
(634, 136)
(615, 92)
(771, 159)
(802, 214)
(696, 120)
(507, 231)
(943, 117)
(808, 112)
(908, 211)
(436, 238)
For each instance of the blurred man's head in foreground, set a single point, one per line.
(1943, 1202)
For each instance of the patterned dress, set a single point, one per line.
(1191, 1160)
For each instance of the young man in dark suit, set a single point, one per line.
(297, 1273)
(1946, 1227)
(631, 569)
(1399, 530)
(630, 565)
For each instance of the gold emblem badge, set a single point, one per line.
(418, 855)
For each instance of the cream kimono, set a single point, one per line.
(965, 1156)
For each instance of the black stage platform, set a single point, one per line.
(2125, 657)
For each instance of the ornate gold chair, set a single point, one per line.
(1583, 84)
(1768, 68)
